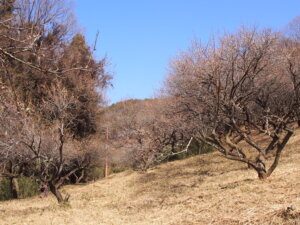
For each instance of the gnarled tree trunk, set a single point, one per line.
(54, 190)
(262, 175)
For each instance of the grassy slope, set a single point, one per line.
(201, 190)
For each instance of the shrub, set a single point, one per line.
(94, 173)
(27, 185)
(118, 169)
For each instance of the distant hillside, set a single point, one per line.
(205, 189)
(131, 103)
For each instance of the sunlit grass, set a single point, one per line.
(206, 189)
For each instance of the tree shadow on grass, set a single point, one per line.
(183, 179)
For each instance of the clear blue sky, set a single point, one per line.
(141, 36)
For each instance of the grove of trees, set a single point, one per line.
(238, 94)
(50, 94)
(236, 89)
(228, 94)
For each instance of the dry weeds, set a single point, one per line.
(206, 189)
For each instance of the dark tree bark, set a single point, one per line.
(54, 190)
(79, 179)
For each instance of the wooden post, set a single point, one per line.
(106, 154)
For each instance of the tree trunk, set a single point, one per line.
(262, 175)
(80, 178)
(56, 192)
(14, 187)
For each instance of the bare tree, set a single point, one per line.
(291, 54)
(14, 159)
(292, 30)
(234, 90)
(50, 92)
(56, 154)
(143, 131)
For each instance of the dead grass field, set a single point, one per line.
(206, 189)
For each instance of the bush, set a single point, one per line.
(94, 173)
(118, 169)
(27, 185)
(5, 193)
(195, 148)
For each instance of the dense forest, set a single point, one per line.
(57, 129)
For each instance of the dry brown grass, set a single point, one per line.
(206, 189)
